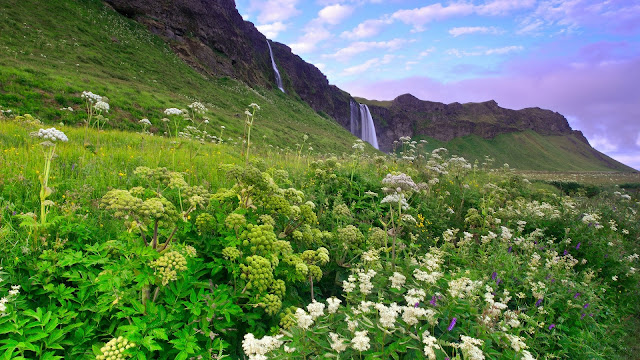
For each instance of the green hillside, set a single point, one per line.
(531, 151)
(51, 51)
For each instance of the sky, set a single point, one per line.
(580, 58)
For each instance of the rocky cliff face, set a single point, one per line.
(212, 37)
(409, 116)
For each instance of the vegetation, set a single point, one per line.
(148, 251)
(205, 231)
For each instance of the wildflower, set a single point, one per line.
(198, 107)
(361, 341)
(452, 324)
(172, 111)
(254, 106)
(304, 320)
(333, 303)
(517, 343)
(552, 326)
(145, 121)
(430, 343)
(248, 113)
(414, 295)
(257, 348)
(316, 309)
(101, 106)
(91, 97)
(337, 342)
(470, 348)
(51, 134)
(397, 280)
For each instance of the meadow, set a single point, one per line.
(128, 245)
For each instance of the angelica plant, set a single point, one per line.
(250, 117)
(90, 102)
(50, 136)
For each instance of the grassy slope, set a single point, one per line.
(51, 51)
(531, 151)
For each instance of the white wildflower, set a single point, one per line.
(397, 280)
(361, 341)
(316, 309)
(172, 111)
(334, 304)
(337, 342)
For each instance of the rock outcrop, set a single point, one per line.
(407, 115)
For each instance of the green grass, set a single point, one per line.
(52, 51)
(531, 151)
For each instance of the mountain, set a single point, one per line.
(148, 55)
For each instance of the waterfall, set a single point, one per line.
(275, 69)
(368, 129)
(361, 123)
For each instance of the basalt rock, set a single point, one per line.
(409, 116)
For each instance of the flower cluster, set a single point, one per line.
(173, 111)
(91, 97)
(51, 134)
(116, 349)
(168, 265)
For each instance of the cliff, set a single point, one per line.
(407, 115)
(212, 37)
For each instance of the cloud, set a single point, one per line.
(427, 52)
(600, 97)
(419, 17)
(503, 7)
(313, 34)
(271, 11)
(368, 65)
(479, 52)
(458, 31)
(366, 29)
(272, 30)
(356, 48)
(568, 16)
(334, 14)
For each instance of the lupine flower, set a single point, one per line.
(452, 324)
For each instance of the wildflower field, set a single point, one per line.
(127, 245)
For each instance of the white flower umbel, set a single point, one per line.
(173, 111)
(145, 121)
(361, 341)
(430, 344)
(316, 309)
(470, 348)
(304, 320)
(91, 97)
(397, 280)
(101, 106)
(256, 349)
(334, 304)
(198, 107)
(51, 134)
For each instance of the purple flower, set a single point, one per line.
(14, 213)
(578, 246)
(553, 280)
(493, 275)
(498, 281)
(586, 305)
(566, 252)
(453, 323)
(576, 295)
(582, 316)
(538, 302)
(509, 249)
(433, 301)
(552, 326)
(73, 166)
(416, 305)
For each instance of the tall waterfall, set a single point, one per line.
(275, 69)
(361, 124)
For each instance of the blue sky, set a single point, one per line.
(578, 57)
